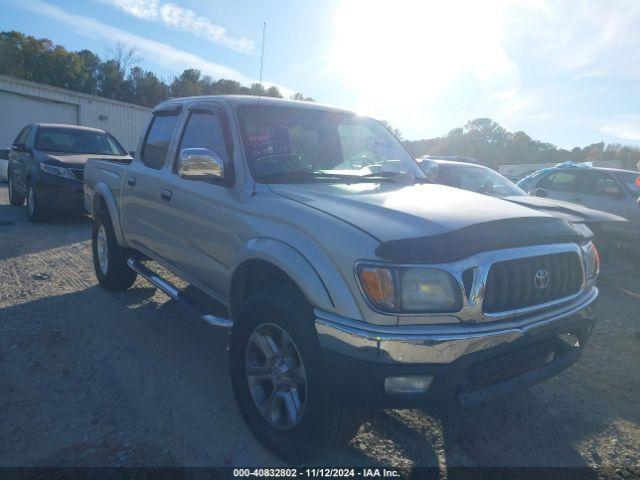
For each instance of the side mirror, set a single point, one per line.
(540, 192)
(200, 164)
(132, 153)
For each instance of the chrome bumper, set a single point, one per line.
(439, 343)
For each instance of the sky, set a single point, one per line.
(564, 71)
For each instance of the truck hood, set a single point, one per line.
(433, 223)
(390, 211)
(569, 211)
(79, 159)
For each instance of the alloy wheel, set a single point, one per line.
(276, 376)
(102, 250)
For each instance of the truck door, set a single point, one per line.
(142, 203)
(198, 219)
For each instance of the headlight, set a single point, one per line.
(409, 289)
(59, 171)
(591, 261)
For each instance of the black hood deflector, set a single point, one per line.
(464, 242)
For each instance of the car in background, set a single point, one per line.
(481, 179)
(608, 189)
(4, 163)
(46, 166)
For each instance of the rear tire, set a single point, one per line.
(35, 212)
(323, 424)
(109, 258)
(15, 199)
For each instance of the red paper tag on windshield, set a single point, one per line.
(638, 181)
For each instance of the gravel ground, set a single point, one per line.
(94, 378)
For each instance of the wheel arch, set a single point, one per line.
(103, 199)
(264, 261)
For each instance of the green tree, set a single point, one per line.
(493, 145)
(188, 84)
(116, 77)
(145, 88)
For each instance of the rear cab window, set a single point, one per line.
(158, 139)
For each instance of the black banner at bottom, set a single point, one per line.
(204, 473)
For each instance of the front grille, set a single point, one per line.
(521, 283)
(78, 173)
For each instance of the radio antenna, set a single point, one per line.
(264, 28)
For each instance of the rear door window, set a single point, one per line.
(156, 145)
(598, 183)
(560, 182)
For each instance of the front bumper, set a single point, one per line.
(469, 363)
(59, 193)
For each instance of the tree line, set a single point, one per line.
(119, 77)
(116, 77)
(493, 145)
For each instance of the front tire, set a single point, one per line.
(15, 199)
(109, 258)
(279, 380)
(35, 212)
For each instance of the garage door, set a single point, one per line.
(17, 111)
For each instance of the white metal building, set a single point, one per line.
(23, 102)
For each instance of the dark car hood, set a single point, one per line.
(78, 160)
(569, 211)
(431, 223)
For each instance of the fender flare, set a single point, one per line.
(102, 192)
(290, 261)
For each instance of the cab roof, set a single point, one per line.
(241, 100)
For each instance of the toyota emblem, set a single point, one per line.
(541, 279)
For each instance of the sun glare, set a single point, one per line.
(387, 51)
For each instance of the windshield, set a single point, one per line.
(77, 141)
(632, 181)
(288, 145)
(477, 179)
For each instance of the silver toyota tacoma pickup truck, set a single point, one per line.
(346, 279)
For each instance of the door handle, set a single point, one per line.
(165, 194)
(132, 181)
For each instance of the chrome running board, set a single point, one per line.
(173, 292)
